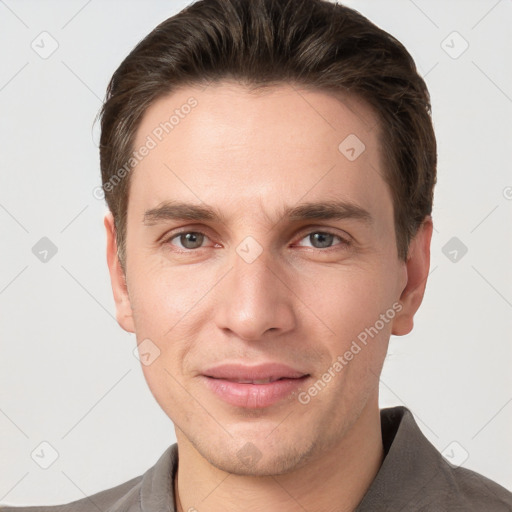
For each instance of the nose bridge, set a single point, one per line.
(253, 266)
(254, 298)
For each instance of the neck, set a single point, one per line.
(335, 479)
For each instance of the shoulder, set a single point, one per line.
(449, 487)
(468, 490)
(150, 491)
(414, 476)
(125, 493)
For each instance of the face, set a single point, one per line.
(261, 284)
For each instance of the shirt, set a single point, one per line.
(414, 477)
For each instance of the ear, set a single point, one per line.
(417, 268)
(124, 313)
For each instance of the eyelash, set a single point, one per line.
(344, 242)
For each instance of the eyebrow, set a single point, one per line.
(324, 210)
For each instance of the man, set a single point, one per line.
(269, 168)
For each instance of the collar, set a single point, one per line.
(410, 464)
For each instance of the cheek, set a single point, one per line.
(169, 310)
(346, 298)
(350, 302)
(161, 296)
(162, 303)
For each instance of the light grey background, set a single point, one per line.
(68, 375)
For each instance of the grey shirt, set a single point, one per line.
(413, 477)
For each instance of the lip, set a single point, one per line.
(230, 371)
(222, 381)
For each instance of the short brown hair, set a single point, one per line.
(314, 43)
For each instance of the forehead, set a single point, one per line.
(254, 151)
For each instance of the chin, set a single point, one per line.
(258, 458)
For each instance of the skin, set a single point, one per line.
(298, 303)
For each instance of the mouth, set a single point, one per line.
(265, 372)
(253, 387)
(254, 381)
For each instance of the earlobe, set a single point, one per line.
(124, 314)
(417, 266)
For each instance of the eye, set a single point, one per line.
(324, 239)
(189, 240)
(193, 240)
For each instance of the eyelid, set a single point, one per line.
(166, 239)
(168, 235)
(326, 230)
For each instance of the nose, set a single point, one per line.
(255, 298)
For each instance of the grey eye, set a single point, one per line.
(190, 239)
(322, 239)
